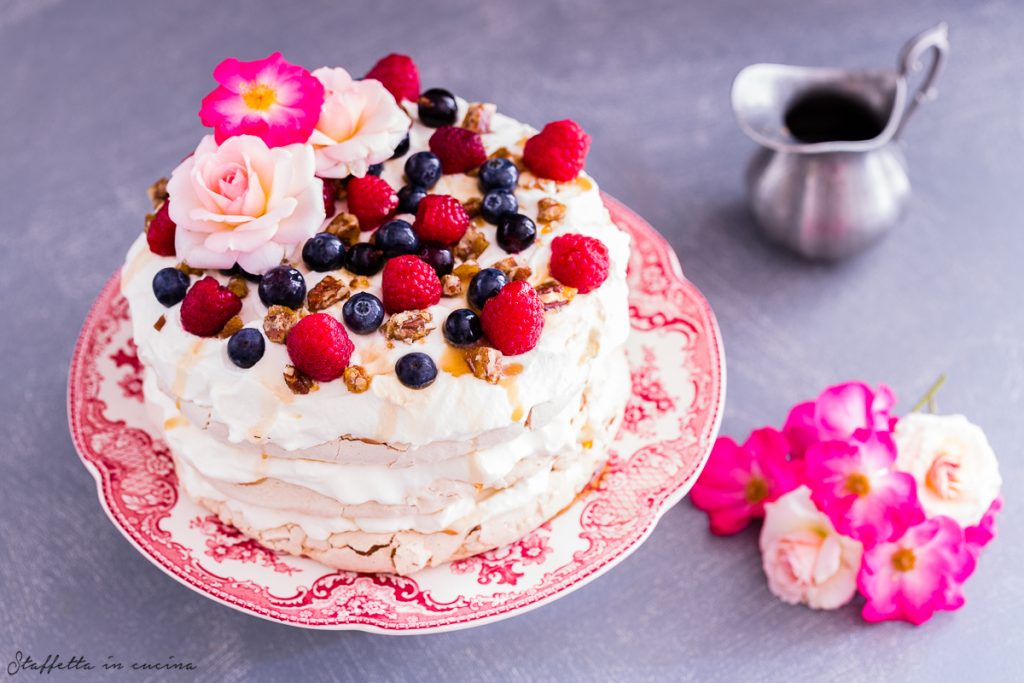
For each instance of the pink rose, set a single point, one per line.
(244, 202)
(804, 558)
(360, 125)
(839, 412)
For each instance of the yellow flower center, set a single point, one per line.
(903, 559)
(858, 484)
(756, 490)
(259, 96)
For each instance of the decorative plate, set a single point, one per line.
(678, 384)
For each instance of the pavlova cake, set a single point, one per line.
(380, 327)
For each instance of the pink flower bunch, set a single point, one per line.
(856, 501)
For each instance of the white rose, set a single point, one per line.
(956, 471)
(804, 558)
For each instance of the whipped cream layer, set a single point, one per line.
(255, 406)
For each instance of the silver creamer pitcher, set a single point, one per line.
(830, 177)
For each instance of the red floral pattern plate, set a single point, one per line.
(678, 383)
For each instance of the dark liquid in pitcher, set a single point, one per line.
(829, 116)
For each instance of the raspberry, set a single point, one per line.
(459, 150)
(207, 308)
(160, 233)
(409, 284)
(330, 194)
(440, 218)
(557, 152)
(398, 73)
(319, 346)
(514, 318)
(579, 261)
(372, 201)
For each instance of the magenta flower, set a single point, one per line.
(738, 480)
(981, 534)
(917, 575)
(854, 484)
(269, 98)
(839, 412)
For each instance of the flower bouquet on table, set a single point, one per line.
(855, 499)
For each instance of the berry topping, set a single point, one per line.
(497, 204)
(498, 173)
(423, 169)
(516, 232)
(363, 313)
(459, 150)
(375, 169)
(371, 200)
(416, 370)
(207, 307)
(246, 347)
(396, 238)
(514, 318)
(160, 232)
(330, 195)
(169, 286)
(409, 198)
(237, 270)
(579, 261)
(409, 284)
(319, 347)
(437, 107)
(440, 218)
(364, 259)
(484, 285)
(557, 152)
(438, 258)
(323, 252)
(398, 73)
(462, 327)
(282, 286)
(402, 149)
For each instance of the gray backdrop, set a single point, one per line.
(99, 98)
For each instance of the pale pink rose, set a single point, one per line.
(804, 558)
(360, 125)
(244, 202)
(956, 471)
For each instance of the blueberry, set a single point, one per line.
(437, 257)
(484, 285)
(396, 238)
(409, 198)
(375, 169)
(402, 149)
(496, 204)
(498, 173)
(516, 232)
(237, 270)
(283, 286)
(323, 252)
(246, 347)
(437, 107)
(416, 370)
(364, 259)
(462, 327)
(170, 285)
(423, 169)
(363, 313)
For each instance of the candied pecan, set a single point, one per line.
(478, 117)
(344, 226)
(408, 326)
(472, 244)
(554, 294)
(326, 293)
(550, 210)
(234, 324)
(157, 192)
(160, 322)
(505, 153)
(359, 282)
(513, 269)
(472, 206)
(466, 269)
(189, 270)
(356, 379)
(279, 322)
(451, 285)
(238, 286)
(485, 363)
(297, 381)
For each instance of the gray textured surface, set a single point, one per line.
(98, 99)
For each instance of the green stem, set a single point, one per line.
(929, 397)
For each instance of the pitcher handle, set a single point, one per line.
(937, 39)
